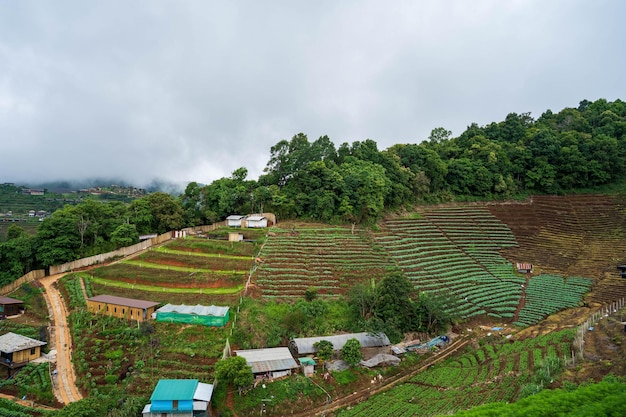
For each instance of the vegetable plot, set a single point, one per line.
(327, 259)
(494, 373)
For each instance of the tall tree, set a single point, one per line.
(351, 352)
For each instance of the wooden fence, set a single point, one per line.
(30, 277)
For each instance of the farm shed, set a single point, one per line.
(10, 307)
(254, 220)
(234, 220)
(205, 315)
(272, 362)
(17, 350)
(235, 237)
(524, 268)
(304, 345)
(307, 365)
(123, 308)
(179, 397)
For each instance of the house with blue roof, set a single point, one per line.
(179, 398)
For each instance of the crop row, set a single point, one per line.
(548, 294)
(313, 258)
(494, 373)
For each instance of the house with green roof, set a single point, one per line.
(180, 398)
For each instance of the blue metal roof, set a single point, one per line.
(174, 389)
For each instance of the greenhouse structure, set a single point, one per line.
(205, 315)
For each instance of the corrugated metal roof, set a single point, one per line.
(255, 218)
(9, 300)
(12, 342)
(198, 310)
(174, 389)
(235, 217)
(204, 392)
(121, 301)
(304, 345)
(268, 360)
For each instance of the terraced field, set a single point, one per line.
(327, 259)
(495, 372)
(582, 235)
(455, 250)
(189, 266)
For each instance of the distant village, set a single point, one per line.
(40, 208)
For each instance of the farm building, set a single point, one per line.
(180, 398)
(234, 220)
(205, 315)
(272, 362)
(10, 307)
(17, 350)
(254, 220)
(307, 365)
(123, 308)
(524, 268)
(304, 345)
(235, 237)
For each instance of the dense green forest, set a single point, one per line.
(576, 148)
(557, 153)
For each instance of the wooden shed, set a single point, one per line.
(10, 307)
(123, 308)
(17, 350)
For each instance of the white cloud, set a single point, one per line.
(189, 91)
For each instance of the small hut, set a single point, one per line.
(179, 397)
(524, 268)
(10, 307)
(255, 221)
(307, 365)
(17, 350)
(234, 220)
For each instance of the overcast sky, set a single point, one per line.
(191, 90)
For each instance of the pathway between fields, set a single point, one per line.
(64, 383)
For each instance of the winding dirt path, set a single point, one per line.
(64, 382)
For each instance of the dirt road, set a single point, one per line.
(64, 382)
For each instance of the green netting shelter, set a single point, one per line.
(204, 315)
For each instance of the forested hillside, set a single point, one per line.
(556, 153)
